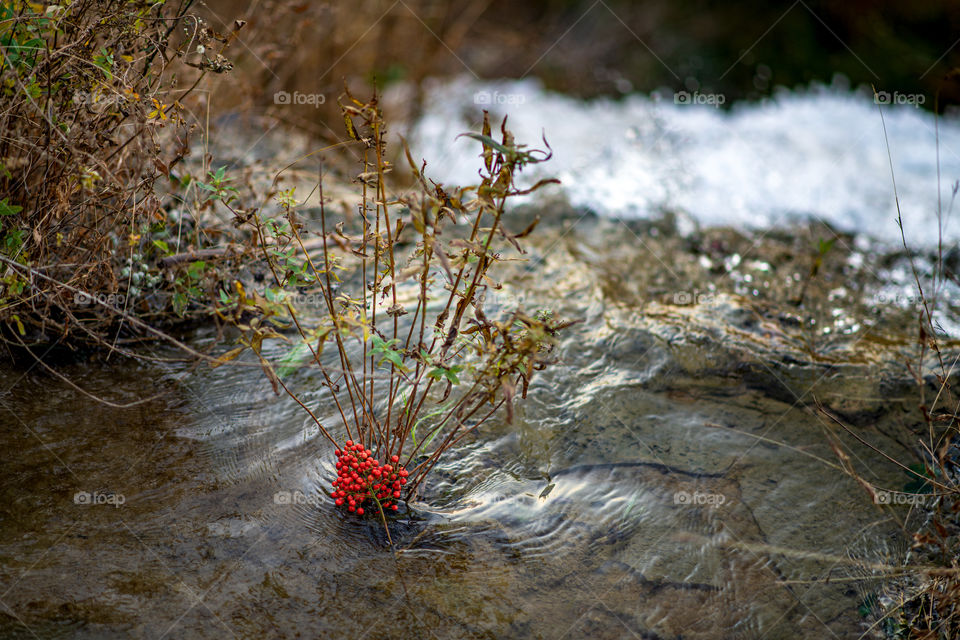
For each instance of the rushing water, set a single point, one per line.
(821, 153)
(668, 478)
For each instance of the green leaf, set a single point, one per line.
(179, 304)
(393, 357)
(439, 410)
(104, 60)
(13, 240)
(490, 142)
(273, 294)
(34, 90)
(294, 357)
(386, 351)
(196, 269)
(449, 373)
(7, 209)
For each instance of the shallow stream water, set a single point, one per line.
(669, 477)
(666, 479)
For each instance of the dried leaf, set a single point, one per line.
(539, 184)
(408, 272)
(529, 229)
(444, 261)
(487, 153)
(271, 375)
(351, 131)
(227, 357)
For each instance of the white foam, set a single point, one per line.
(818, 153)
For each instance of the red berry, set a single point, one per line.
(394, 507)
(360, 511)
(339, 501)
(349, 443)
(395, 458)
(396, 494)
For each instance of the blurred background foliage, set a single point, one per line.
(744, 49)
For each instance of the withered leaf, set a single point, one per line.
(271, 375)
(444, 260)
(227, 357)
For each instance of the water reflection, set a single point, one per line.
(640, 492)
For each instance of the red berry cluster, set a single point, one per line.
(360, 477)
